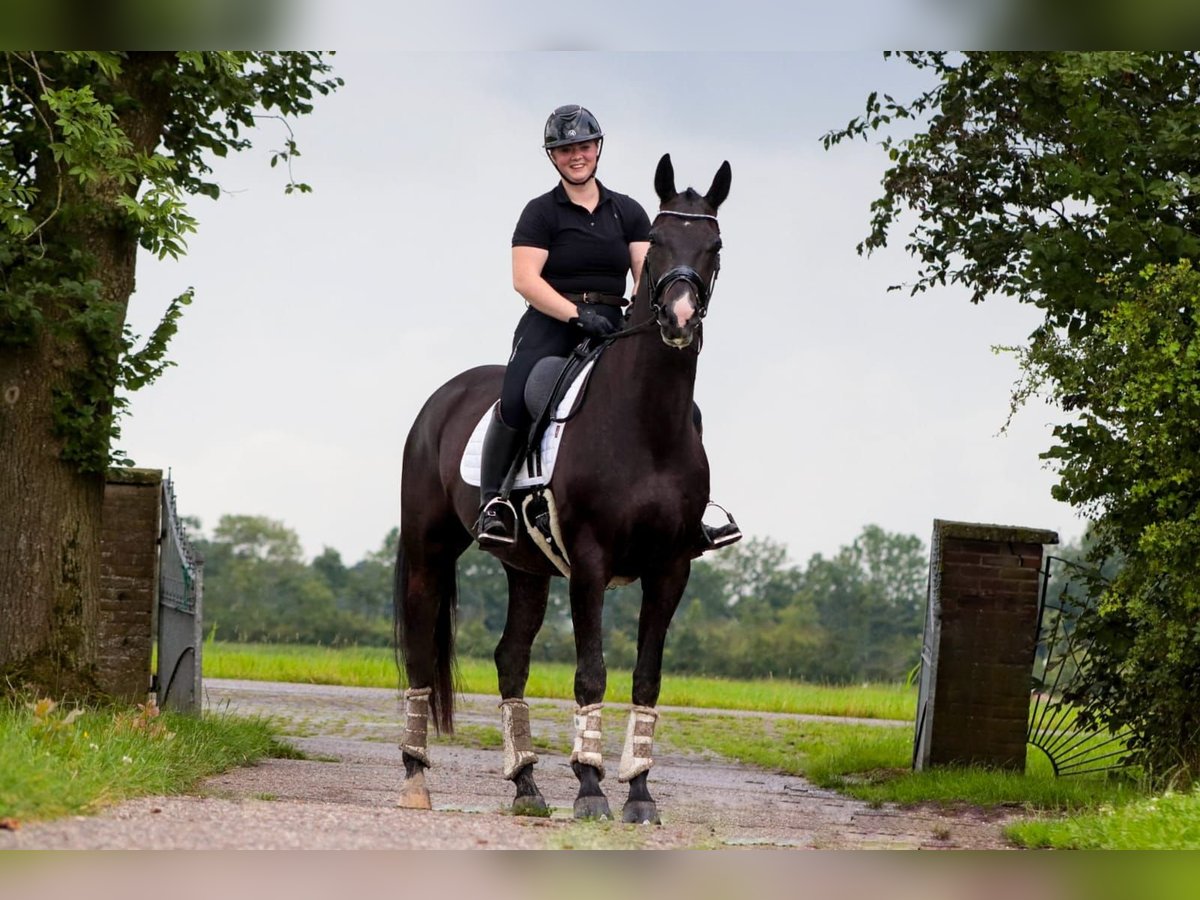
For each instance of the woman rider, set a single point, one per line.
(571, 252)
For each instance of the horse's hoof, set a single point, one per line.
(414, 794)
(640, 812)
(416, 799)
(592, 808)
(531, 805)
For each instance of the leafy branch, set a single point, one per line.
(98, 151)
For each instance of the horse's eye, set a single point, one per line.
(717, 245)
(653, 237)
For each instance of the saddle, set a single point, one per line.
(546, 388)
(553, 392)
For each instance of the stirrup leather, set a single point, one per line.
(491, 511)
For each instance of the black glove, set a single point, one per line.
(592, 323)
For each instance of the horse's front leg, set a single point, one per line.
(661, 592)
(589, 576)
(527, 595)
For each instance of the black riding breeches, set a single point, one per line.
(536, 337)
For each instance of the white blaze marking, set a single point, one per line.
(683, 310)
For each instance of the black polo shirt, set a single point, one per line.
(589, 251)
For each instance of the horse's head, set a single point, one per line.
(685, 253)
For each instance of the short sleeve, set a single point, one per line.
(637, 223)
(534, 228)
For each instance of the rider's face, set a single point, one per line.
(576, 162)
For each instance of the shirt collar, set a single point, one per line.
(560, 193)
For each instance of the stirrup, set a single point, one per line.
(721, 535)
(491, 528)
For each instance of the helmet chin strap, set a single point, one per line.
(591, 177)
(595, 168)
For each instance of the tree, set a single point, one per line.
(1071, 181)
(98, 151)
(257, 587)
(1131, 460)
(365, 588)
(1039, 173)
(870, 601)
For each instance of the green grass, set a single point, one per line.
(375, 667)
(485, 737)
(874, 764)
(1167, 822)
(55, 762)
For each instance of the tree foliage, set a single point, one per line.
(257, 587)
(98, 152)
(1035, 174)
(1131, 460)
(870, 600)
(1071, 181)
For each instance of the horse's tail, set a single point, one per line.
(441, 700)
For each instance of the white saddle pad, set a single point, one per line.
(548, 449)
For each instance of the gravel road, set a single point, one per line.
(343, 796)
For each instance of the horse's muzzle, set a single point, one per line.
(678, 319)
(680, 342)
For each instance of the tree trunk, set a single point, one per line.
(50, 512)
(49, 536)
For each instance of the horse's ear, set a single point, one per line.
(720, 187)
(664, 179)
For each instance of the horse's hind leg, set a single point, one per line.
(661, 593)
(527, 595)
(426, 596)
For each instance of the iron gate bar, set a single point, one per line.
(1052, 724)
(181, 588)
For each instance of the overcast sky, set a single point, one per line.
(323, 322)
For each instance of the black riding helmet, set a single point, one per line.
(572, 125)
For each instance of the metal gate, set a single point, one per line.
(1067, 597)
(180, 591)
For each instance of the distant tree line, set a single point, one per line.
(747, 612)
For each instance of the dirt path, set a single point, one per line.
(343, 796)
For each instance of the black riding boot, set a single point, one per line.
(721, 535)
(497, 518)
(714, 536)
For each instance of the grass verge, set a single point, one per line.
(56, 762)
(874, 764)
(1167, 822)
(376, 667)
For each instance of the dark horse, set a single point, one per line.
(631, 484)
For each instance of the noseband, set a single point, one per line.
(659, 285)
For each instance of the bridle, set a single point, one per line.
(659, 285)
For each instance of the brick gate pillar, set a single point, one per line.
(128, 581)
(980, 633)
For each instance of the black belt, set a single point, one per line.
(596, 297)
